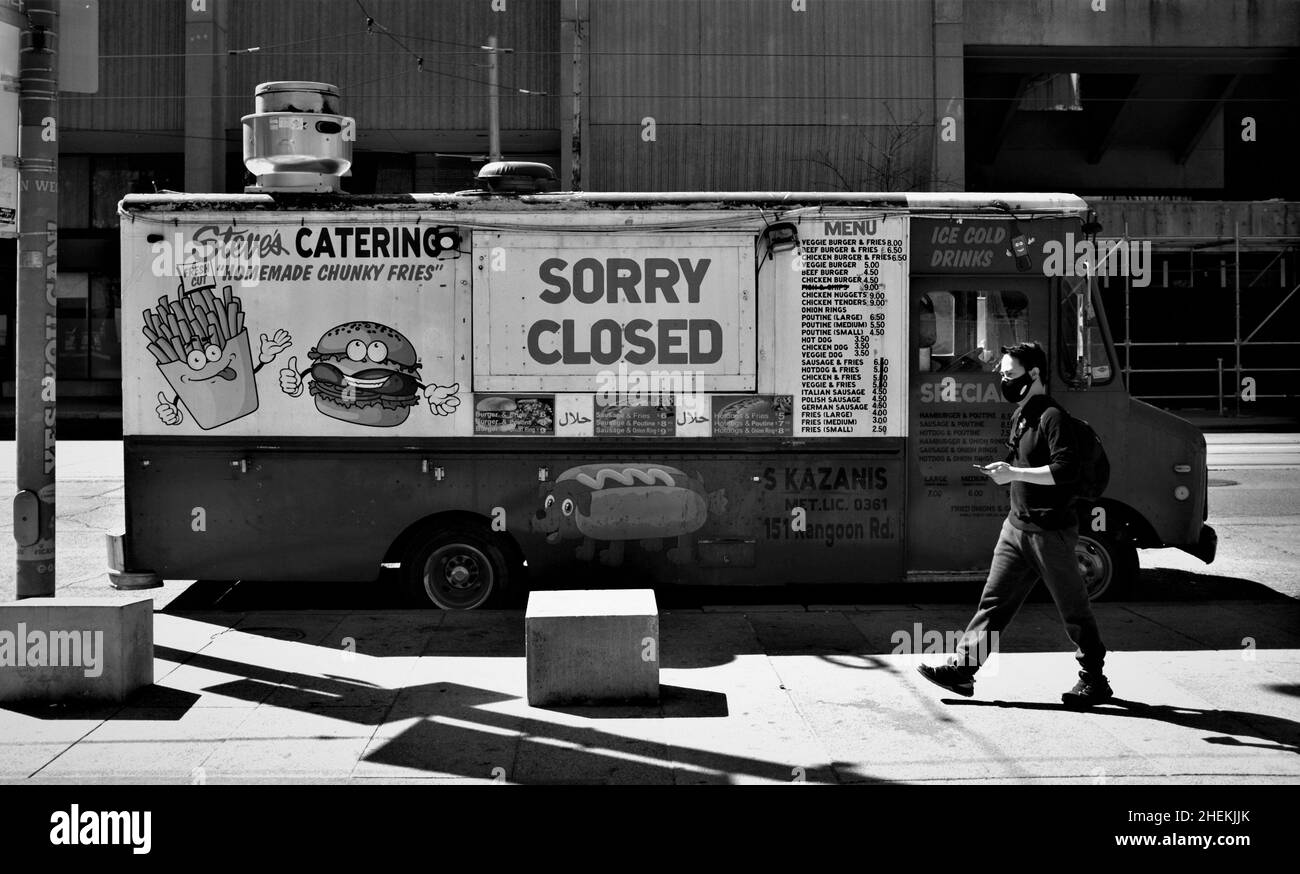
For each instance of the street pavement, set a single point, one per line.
(775, 695)
(1205, 663)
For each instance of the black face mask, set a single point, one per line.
(1014, 390)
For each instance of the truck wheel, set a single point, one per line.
(1108, 567)
(454, 570)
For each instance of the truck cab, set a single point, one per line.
(971, 294)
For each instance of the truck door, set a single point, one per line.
(957, 417)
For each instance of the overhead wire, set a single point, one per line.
(372, 26)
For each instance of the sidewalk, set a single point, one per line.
(1211, 422)
(749, 695)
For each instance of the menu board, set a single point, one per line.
(852, 325)
(952, 439)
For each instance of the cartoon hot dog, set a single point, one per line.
(619, 502)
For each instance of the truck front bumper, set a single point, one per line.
(1206, 547)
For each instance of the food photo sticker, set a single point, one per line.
(527, 415)
(202, 349)
(753, 416)
(645, 420)
(367, 374)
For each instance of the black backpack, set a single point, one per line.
(1094, 466)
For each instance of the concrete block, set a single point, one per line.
(592, 645)
(75, 649)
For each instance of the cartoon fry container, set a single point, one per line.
(215, 383)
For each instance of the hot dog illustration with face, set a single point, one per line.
(620, 502)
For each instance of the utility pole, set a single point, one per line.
(494, 100)
(36, 318)
(575, 16)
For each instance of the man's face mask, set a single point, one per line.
(1014, 390)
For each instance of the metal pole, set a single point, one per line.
(1219, 392)
(1128, 337)
(494, 103)
(1128, 288)
(36, 318)
(1236, 282)
(576, 144)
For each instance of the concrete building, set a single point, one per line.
(1177, 118)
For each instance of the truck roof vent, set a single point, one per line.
(296, 141)
(517, 177)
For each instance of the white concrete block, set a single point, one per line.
(75, 649)
(592, 645)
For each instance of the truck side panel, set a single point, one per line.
(230, 510)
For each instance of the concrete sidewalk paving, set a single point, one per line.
(764, 696)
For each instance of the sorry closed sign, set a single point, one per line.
(559, 310)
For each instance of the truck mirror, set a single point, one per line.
(781, 237)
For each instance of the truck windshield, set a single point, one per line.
(1074, 297)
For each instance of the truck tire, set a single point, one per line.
(458, 569)
(1108, 566)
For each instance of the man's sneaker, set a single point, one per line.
(1091, 689)
(950, 677)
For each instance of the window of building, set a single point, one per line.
(114, 176)
(89, 345)
(1051, 92)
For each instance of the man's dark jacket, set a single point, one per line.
(1041, 435)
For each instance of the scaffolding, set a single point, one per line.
(1235, 348)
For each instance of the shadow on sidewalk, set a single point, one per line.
(693, 639)
(164, 704)
(244, 596)
(1280, 734)
(453, 732)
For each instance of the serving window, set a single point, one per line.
(963, 331)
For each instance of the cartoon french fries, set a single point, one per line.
(203, 351)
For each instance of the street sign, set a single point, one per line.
(79, 46)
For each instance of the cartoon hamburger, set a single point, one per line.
(362, 372)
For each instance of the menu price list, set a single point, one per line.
(845, 370)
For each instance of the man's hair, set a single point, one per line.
(1030, 355)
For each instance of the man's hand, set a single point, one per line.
(442, 400)
(290, 381)
(274, 346)
(1001, 473)
(168, 413)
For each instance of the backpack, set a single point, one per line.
(1094, 466)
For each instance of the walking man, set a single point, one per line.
(1038, 536)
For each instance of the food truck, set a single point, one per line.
(493, 389)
